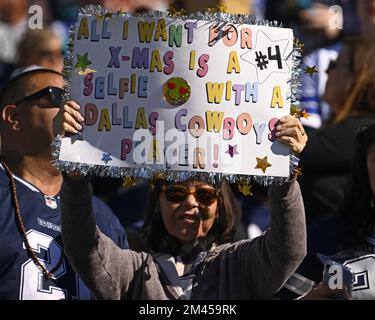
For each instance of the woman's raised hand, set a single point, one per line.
(290, 131)
(68, 119)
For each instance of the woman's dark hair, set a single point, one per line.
(158, 238)
(360, 98)
(358, 202)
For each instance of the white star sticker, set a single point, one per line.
(268, 56)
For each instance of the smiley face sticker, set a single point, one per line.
(176, 91)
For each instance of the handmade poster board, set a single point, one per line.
(176, 94)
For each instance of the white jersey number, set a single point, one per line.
(33, 286)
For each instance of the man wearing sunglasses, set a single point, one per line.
(32, 264)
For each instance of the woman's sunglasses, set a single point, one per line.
(54, 93)
(178, 193)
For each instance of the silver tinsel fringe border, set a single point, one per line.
(172, 175)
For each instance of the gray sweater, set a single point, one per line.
(244, 270)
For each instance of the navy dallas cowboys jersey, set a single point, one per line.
(330, 237)
(20, 278)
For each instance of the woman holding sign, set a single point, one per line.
(185, 223)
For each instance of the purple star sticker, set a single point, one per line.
(232, 150)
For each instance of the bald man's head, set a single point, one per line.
(26, 126)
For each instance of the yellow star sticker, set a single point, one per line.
(245, 188)
(129, 181)
(219, 8)
(297, 172)
(310, 70)
(263, 164)
(294, 110)
(304, 114)
(298, 43)
(174, 12)
(298, 112)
